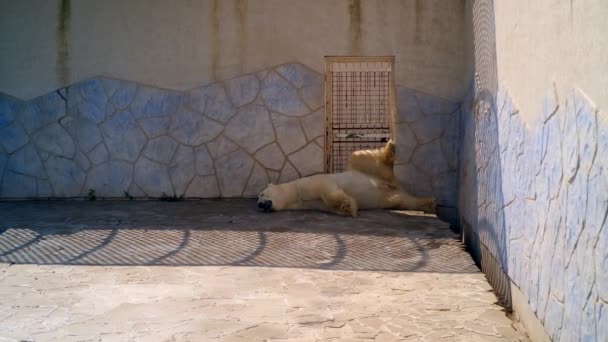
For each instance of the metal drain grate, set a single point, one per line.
(359, 94)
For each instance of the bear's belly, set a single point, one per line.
(370, 193)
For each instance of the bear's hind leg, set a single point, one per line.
(340, 203)
(409, 202)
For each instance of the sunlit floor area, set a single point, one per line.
(222, 271)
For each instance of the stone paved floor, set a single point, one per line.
(221, 271)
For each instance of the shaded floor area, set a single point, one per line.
(222, 271)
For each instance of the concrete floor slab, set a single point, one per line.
(221, 271)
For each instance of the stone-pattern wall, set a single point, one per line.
(227, 139)
(426, 145)
(537, 196)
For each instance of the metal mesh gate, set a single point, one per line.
(359, 96)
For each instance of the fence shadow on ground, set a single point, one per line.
(224, 233)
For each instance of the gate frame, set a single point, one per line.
(328, 112)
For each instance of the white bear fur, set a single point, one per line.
(368, 183)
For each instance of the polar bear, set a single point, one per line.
(377, 163)
(368, 183)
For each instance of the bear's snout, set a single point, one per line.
(265, 205)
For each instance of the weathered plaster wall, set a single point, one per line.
(534, 163)
(183, 44)
(561, 42)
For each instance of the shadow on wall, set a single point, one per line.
(216, 233)
(481, 197)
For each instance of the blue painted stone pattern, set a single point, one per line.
(117, 136)
(427, 137)
(537, 195)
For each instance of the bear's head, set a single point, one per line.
(271, 198)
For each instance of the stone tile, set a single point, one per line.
(42, 111)
(155, 127)
(93, 101)
(204, 162)
(429, 127)
(44, 188)
(261, 74)
(281, 97)
(309, 160)
(313, 96)
(413, 105)
(152, 178)
(289, 133)
(123, 137)
(99, 154)
(65, 176)
(321, 142)
(288, 174)
(221, 146)
(15, 185)
(9, 107)
(601, 315)
(445, 189)
(81, 160)
(135, 191)
(273, 176)
(299, 75)
(84, 131)
(26, 161)
(250, 128)
(92, 90)
(314, 124)
(257, 181)
(601, 262)
(213, 101)
(111, 179)
(12, 137)
(598, 207)
(203, 187)
(586, 127)
(450, 141)
(570, 142)
(243, 90)
(152, 102)
(271, 157)
(54, 139)
(233, 170)
(182, 169)
(3, 162)
(413, 180)
(405, 143)
(191, 128)
(430, 159)
(121, 93)
(160, 149)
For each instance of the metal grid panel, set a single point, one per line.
(360, 103)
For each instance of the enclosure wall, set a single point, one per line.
(212, 98)
(534, 160)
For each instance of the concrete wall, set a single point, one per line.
(120, 138)
(561, 42)
(183, 44)
(125, 131)
(226, 139)
(534, 160)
